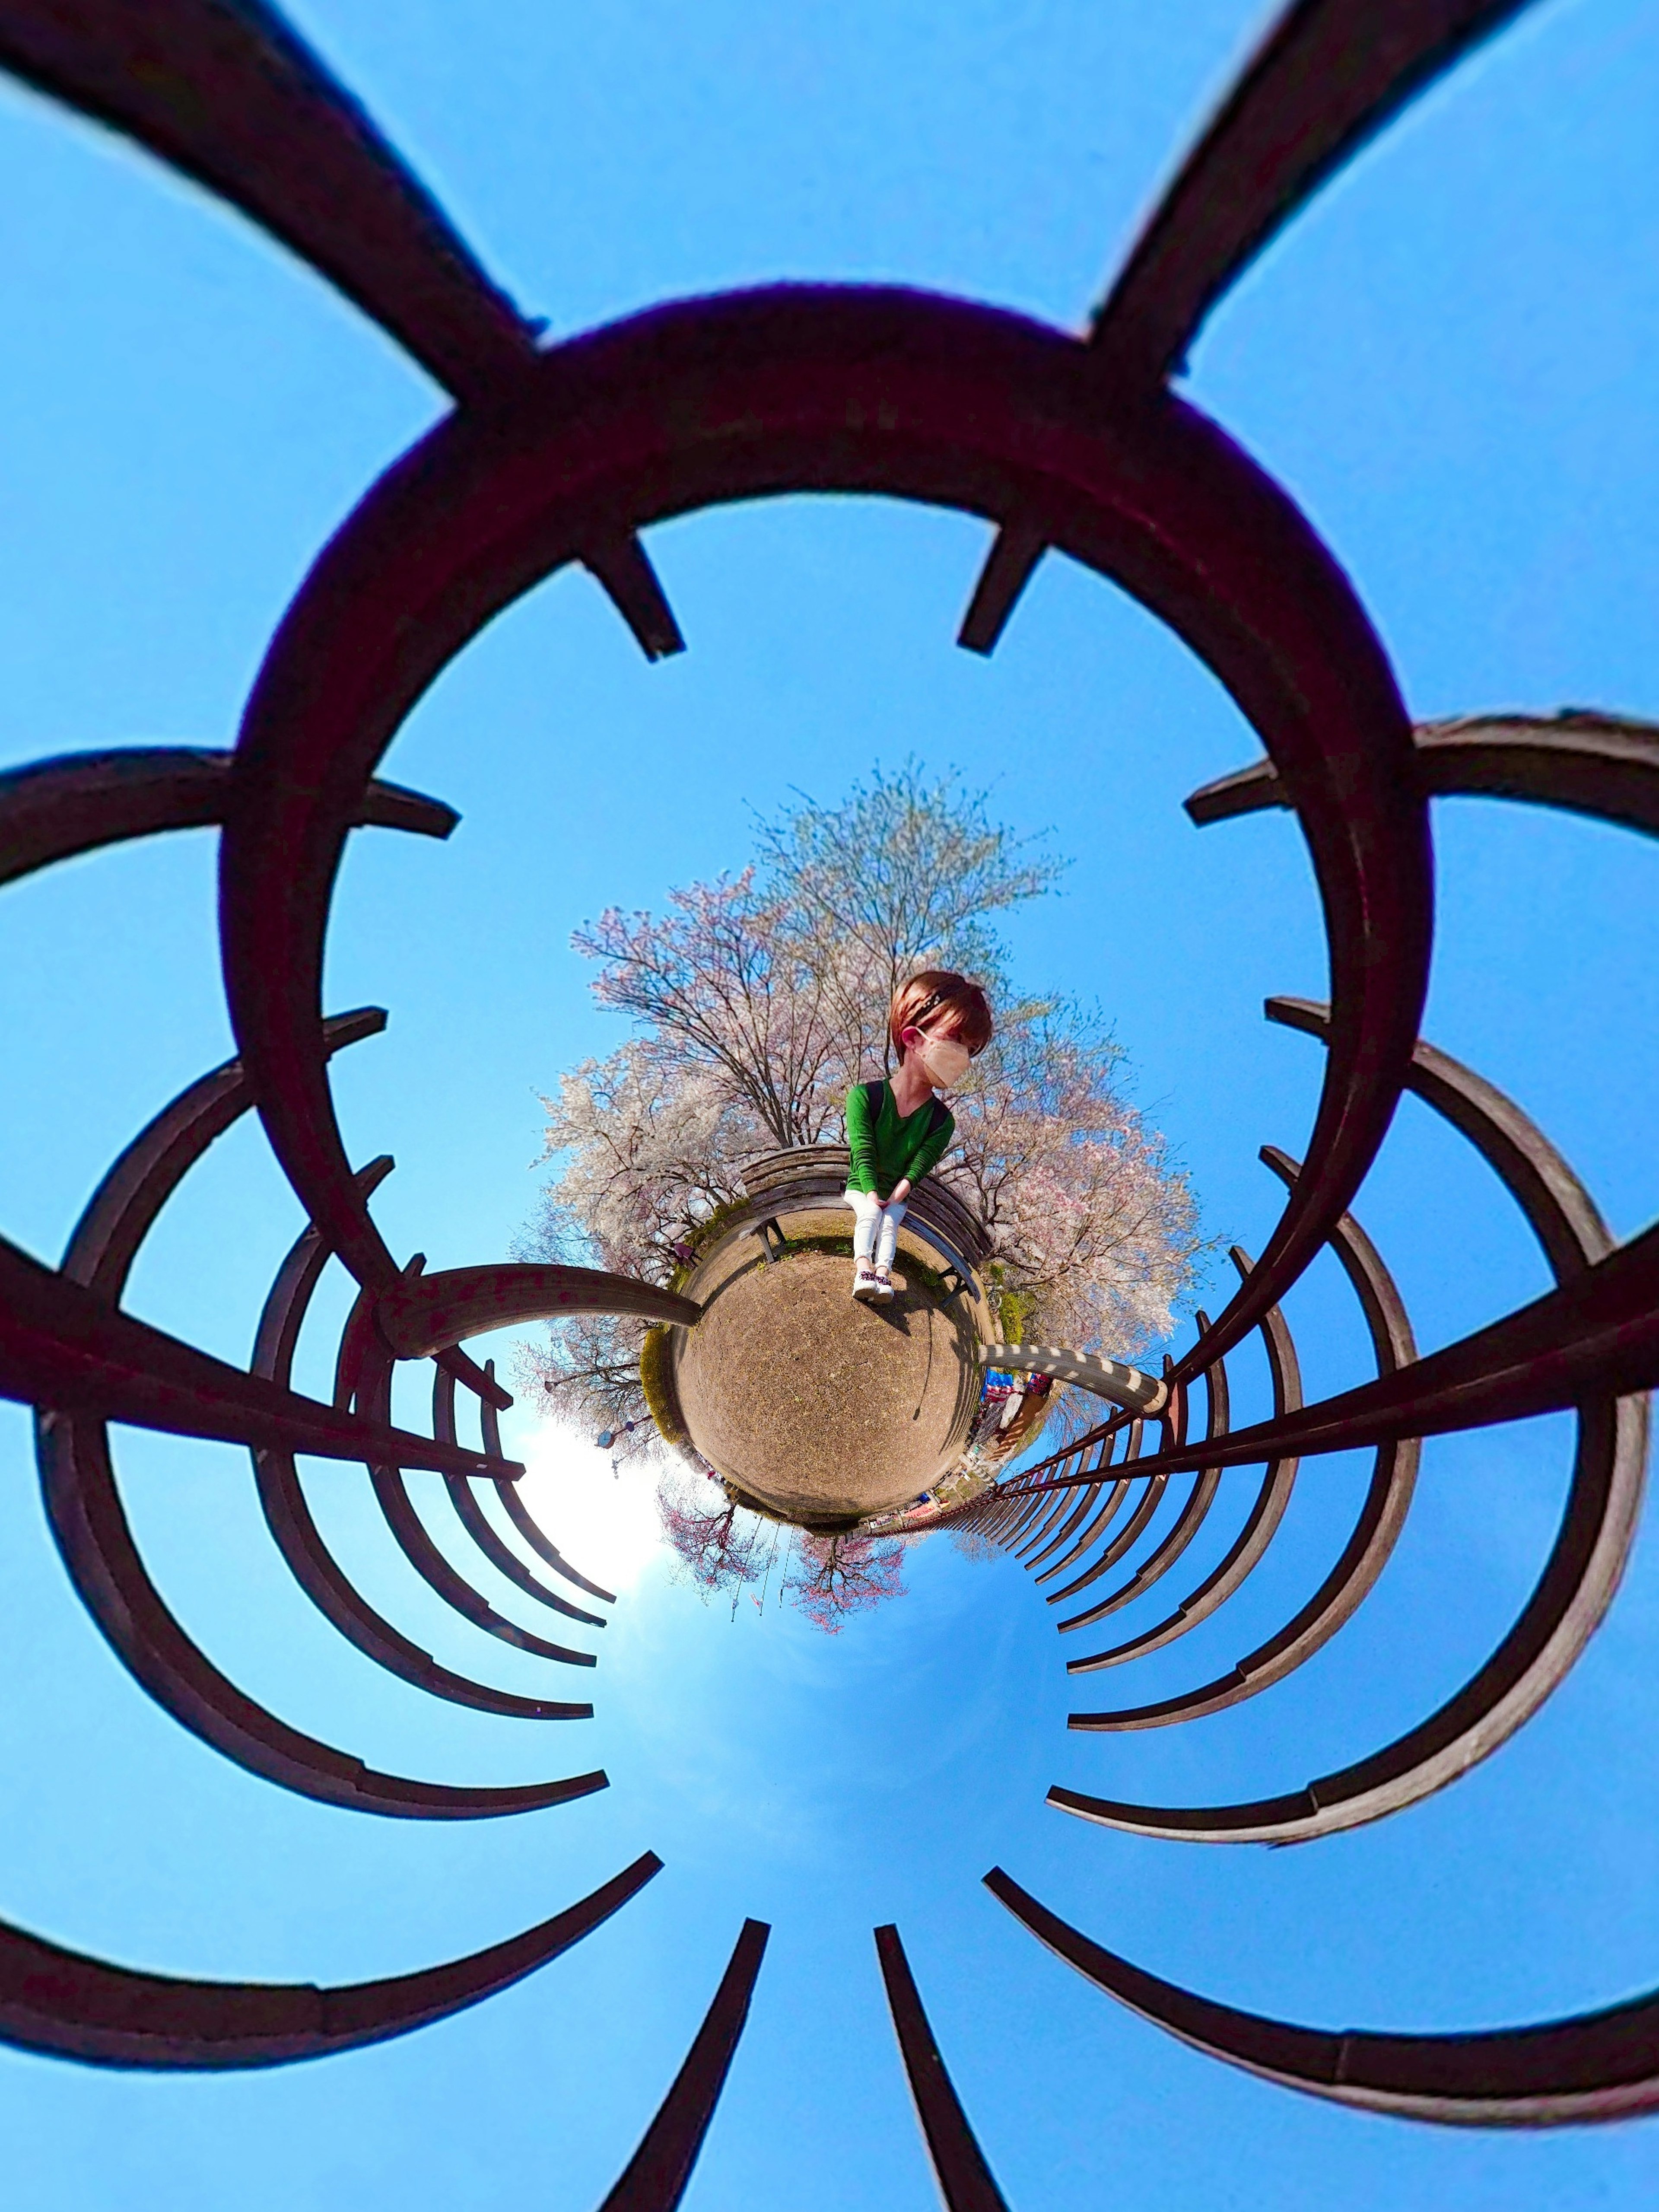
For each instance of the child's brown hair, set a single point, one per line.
(962, 1009)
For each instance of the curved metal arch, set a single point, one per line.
(1554, 1201)
(520, 1514)
(1053, 1528)
(1115, 1495)
(1047, 1521)
(655, 2178)
(533, 1533)
(1012, 1526)
(1594, 2066)
(1329, 74)
(1069, 1526)
(1377, 1530)
(1596, 1332)
(65, 1349)
(997, 1511)
(965, 2181)
(289, 1516)
(226, 92)
(1050, 1515)
(65, 1345)
(1043, 1510)
(1261, 1525)
(1115, 1546)
(423, 1314)
(1046, 1472)
(67, 2004)
(1595, 1336)
(1192, 1514)
(1023, 1514)
(469, 1510)
(1152, 1496)
(1606, 766)
(321, 1578)
(74, 803)
(836, 389)
(78, 1485)
(410, 1533)
(1532, 1659)
(1188, 1523)
(90, 1528)
(1579, 1577)
(1126, 1387)
(365, 1375)
(1027, 1526)
(1013, 1505)
(1021, 1518)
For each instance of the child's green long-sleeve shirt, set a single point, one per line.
(886, 1150)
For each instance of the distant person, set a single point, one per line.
(897, 1130)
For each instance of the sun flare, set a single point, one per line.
(605, 1524)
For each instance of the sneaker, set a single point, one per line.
(865, 1282)
(884, 1290)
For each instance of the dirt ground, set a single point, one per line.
(818, 1404)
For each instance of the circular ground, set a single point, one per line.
(820, 1408)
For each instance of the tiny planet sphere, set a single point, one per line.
(820, 1409)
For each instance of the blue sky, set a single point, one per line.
(1448, 361)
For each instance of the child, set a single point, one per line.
(897, 1130)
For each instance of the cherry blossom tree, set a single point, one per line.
(1094, 1230)
(721, 1547)
(832, 1577)
(718, 1546)
(587, 1374)
(974, 1544)
(725, 985)
(651, 1143)
(903, 874)
(758, 1000)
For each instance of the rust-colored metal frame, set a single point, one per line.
(565, 455)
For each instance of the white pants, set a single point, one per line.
(875, 1231)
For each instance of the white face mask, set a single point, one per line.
(945, 1061)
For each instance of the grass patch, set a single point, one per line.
(657, 1381)
(1013, 1308)
(704, 1234)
